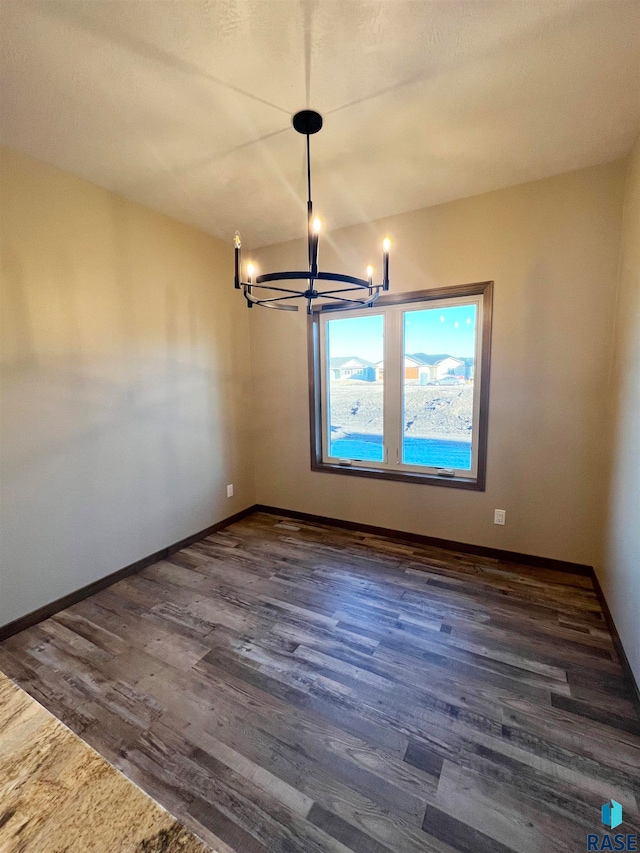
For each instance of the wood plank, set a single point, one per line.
(289, 686)
(58, 794)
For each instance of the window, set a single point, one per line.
(400, 390)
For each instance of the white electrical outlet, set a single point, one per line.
(500, 516)
(230, 492)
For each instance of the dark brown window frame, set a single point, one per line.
(477, 483)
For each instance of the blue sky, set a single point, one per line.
(435, 330)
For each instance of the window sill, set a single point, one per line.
(476, 485)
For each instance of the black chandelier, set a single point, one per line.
(308, 122)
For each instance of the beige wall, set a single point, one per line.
(126, 407)
(552, 249)
(620, 572)
(124, 389)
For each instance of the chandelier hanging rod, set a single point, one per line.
(308, 122)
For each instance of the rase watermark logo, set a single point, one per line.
(611, 814)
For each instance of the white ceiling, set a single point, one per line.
(185, 105)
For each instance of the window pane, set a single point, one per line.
(355, 387)
(439, 366)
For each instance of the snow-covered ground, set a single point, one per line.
(430, 410)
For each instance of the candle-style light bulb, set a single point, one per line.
(370, 278)
(237, 261)
(250, 271)
(386, 244)
(316, 225)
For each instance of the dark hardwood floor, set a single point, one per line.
(299, 688)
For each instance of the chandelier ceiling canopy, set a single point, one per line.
(259, 290)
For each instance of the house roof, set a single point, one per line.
(431, 360)
(349, 361)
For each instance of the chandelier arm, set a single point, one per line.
(266, 303)
(346, 279)
(251, 298)
(369, 301)
(267, 287)
(289, 275)
(276, 307)
(280, 298)
(283, 276)
(344, 290)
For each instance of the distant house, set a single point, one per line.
(352, 367)
(431, 367)
(412, 366)
(425, 368)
